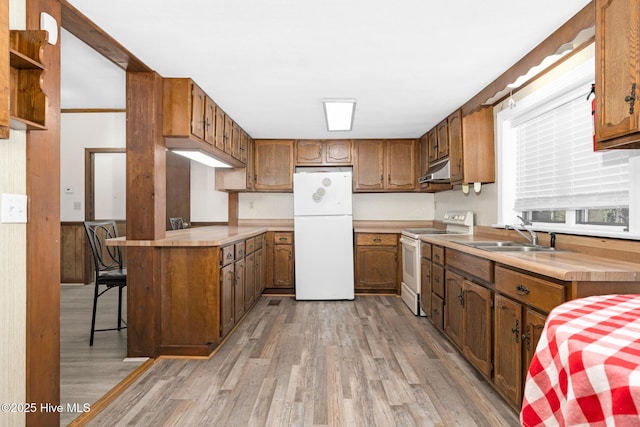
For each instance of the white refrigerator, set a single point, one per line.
(323, 232)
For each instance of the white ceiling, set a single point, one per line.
(269, 64)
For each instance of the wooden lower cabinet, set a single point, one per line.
(517, 330)
(425, 285)
(508, 350)
(238, 289)
(280, 261)
(227, 281)
(250, 280)
(454, 306)
(477, 330)
(376, 259)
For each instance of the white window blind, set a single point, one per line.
(556, 165)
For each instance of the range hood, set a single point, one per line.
(439, 172)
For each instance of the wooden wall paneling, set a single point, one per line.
(72, 251)
(146, 210)
(178, 188)
(43, 237)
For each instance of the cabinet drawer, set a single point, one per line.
(259, 241)
(437, 311)
(372, 239)
(530, 290)
(240, 250)
(282, 238)
(227, 255)
(437, 277)
(478, 267)
(437, 254)
(250, 245)
(425, 250)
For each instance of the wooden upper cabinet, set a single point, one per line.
(337, 152)
(455, 146)
(273, 165)
(423, 150)
(432, 138)
(401, 165)
(209, 120)
(188, 120)
(219, 136)
(236, 136)
(323, 152)
(617, 74)
(385, 165)
(369, 165)
(197, 111)
(244, 146)
(442, 131)
(309, 152)
(471, 147)
(228, 135)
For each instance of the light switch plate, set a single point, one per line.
(13, 208)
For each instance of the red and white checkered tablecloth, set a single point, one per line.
(586, 370)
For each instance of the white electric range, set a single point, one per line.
(457, 222)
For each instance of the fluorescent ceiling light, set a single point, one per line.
(339, 114)
(202, 157)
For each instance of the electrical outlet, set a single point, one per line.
(13, 208)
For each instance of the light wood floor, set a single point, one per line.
(87, 373)
(367, 362)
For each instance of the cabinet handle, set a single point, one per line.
(381, 178)
(229, 255)
(206, 123)
(526, 338)
(283, 239)
(516, 331)
(377, 240)
(461, 298)
(631, 98)
(437, 257)
(436, 311)
(389, 178)
(522, 289)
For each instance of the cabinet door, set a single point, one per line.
(249, 279)
(425, 286)
(209, 121)
(507, 376)
(432, 138)
(236, 136)
(533, 326)
(283, 266)
(273, 165)
(477, 328)
(244, 146)
(227, 281)
(249, 163)
(260, 273)
(309, 152)
(478, 151)
(376, 268)
(423, 154)
(455, 146)
(401, 165)
(219, 129)
(453, 306)
(228, 135)
(238, 290)
(369, 165)
(437, 311)
(197, 111)
(337, 152)
(617, 71)
(443, 139)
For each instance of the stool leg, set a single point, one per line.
(93, 316)
(119, 307)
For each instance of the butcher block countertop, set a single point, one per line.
(562, 265)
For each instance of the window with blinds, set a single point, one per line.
(556, 167)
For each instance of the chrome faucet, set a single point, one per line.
(525, 223)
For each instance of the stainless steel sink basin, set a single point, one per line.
(508, 246)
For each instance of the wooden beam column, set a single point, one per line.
(43, 237)
(146, 211)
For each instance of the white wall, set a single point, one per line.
(484, 203)
(77, 132)
(207, 204)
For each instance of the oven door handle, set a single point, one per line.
(410, 242)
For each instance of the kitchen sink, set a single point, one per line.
(508, 246)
